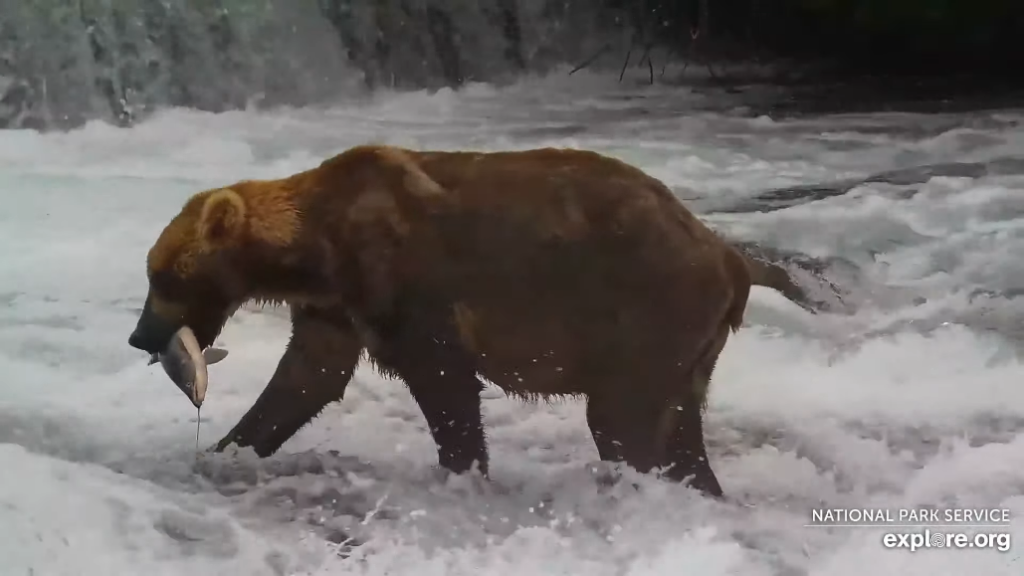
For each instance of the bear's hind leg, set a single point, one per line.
(313, 372)
(640, 425)
(685, 453)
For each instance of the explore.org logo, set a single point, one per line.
(927, 538)
(916, 529)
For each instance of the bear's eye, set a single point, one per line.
(168, 285)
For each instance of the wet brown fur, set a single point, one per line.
(549, 272)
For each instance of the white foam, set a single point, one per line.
(888, 406)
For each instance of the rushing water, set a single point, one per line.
(909, 393)
(66, 61)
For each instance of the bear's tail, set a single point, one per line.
(774, 276)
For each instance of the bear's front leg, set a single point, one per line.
(315, 370)
(450, 402)
(443, 381)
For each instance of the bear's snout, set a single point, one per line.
(152, 333)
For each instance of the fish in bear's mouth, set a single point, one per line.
(185, 364)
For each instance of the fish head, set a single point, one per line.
(185, 365)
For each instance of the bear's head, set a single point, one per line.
(200, 267)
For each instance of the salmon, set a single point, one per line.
(185, 364)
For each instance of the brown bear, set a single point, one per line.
(546, 272)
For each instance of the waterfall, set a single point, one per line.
(63, 62)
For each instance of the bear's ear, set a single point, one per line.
(222, 218)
